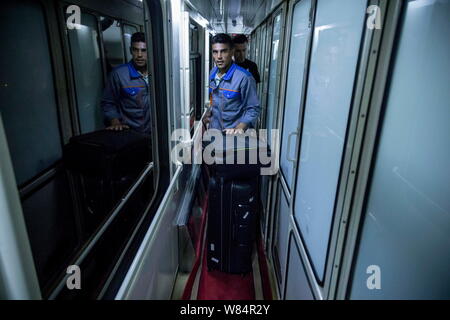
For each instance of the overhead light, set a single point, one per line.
(221, 8)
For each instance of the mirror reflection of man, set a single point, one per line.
(126, 98)
(240, 56)
(234, 102)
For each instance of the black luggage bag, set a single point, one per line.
(232, 215)
(237, 156)
(108, 153)
(104, 165)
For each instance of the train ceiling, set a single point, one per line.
(232, 16)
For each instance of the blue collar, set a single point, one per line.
(132, 70)
(227, 76)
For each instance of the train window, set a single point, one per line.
(193, 37)
(53, 229)
(253, 56)
(262, 64)
(296, 66)
(273, 75)
(29, 112)
(251, 48)
(195, 75)
(406, 226)
(297, 283)
(127, 33)
(256, 41)
(71, 217)
(88, 72)
(192, 91)
(28, 107)
(97, 200)
(337, 39)
(280, 243)
(110, 203)
(112, 42)
(257, 58)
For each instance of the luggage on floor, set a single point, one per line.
(232, 211)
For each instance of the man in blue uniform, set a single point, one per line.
(234, 101)
(126, 98)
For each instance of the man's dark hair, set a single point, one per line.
(138, 37)
(240, 38)
(222, 38)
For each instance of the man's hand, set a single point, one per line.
(240, 128)
(207, 117)
(116, 125)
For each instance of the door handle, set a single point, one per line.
(295, 133)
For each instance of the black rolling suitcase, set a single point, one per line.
(232, 210)
(104, 165)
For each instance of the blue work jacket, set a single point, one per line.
(234, 100)
(127, 98)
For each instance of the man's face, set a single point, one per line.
(240, 52)
(139, 52)
(222, 55)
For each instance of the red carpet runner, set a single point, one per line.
(216, 285)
